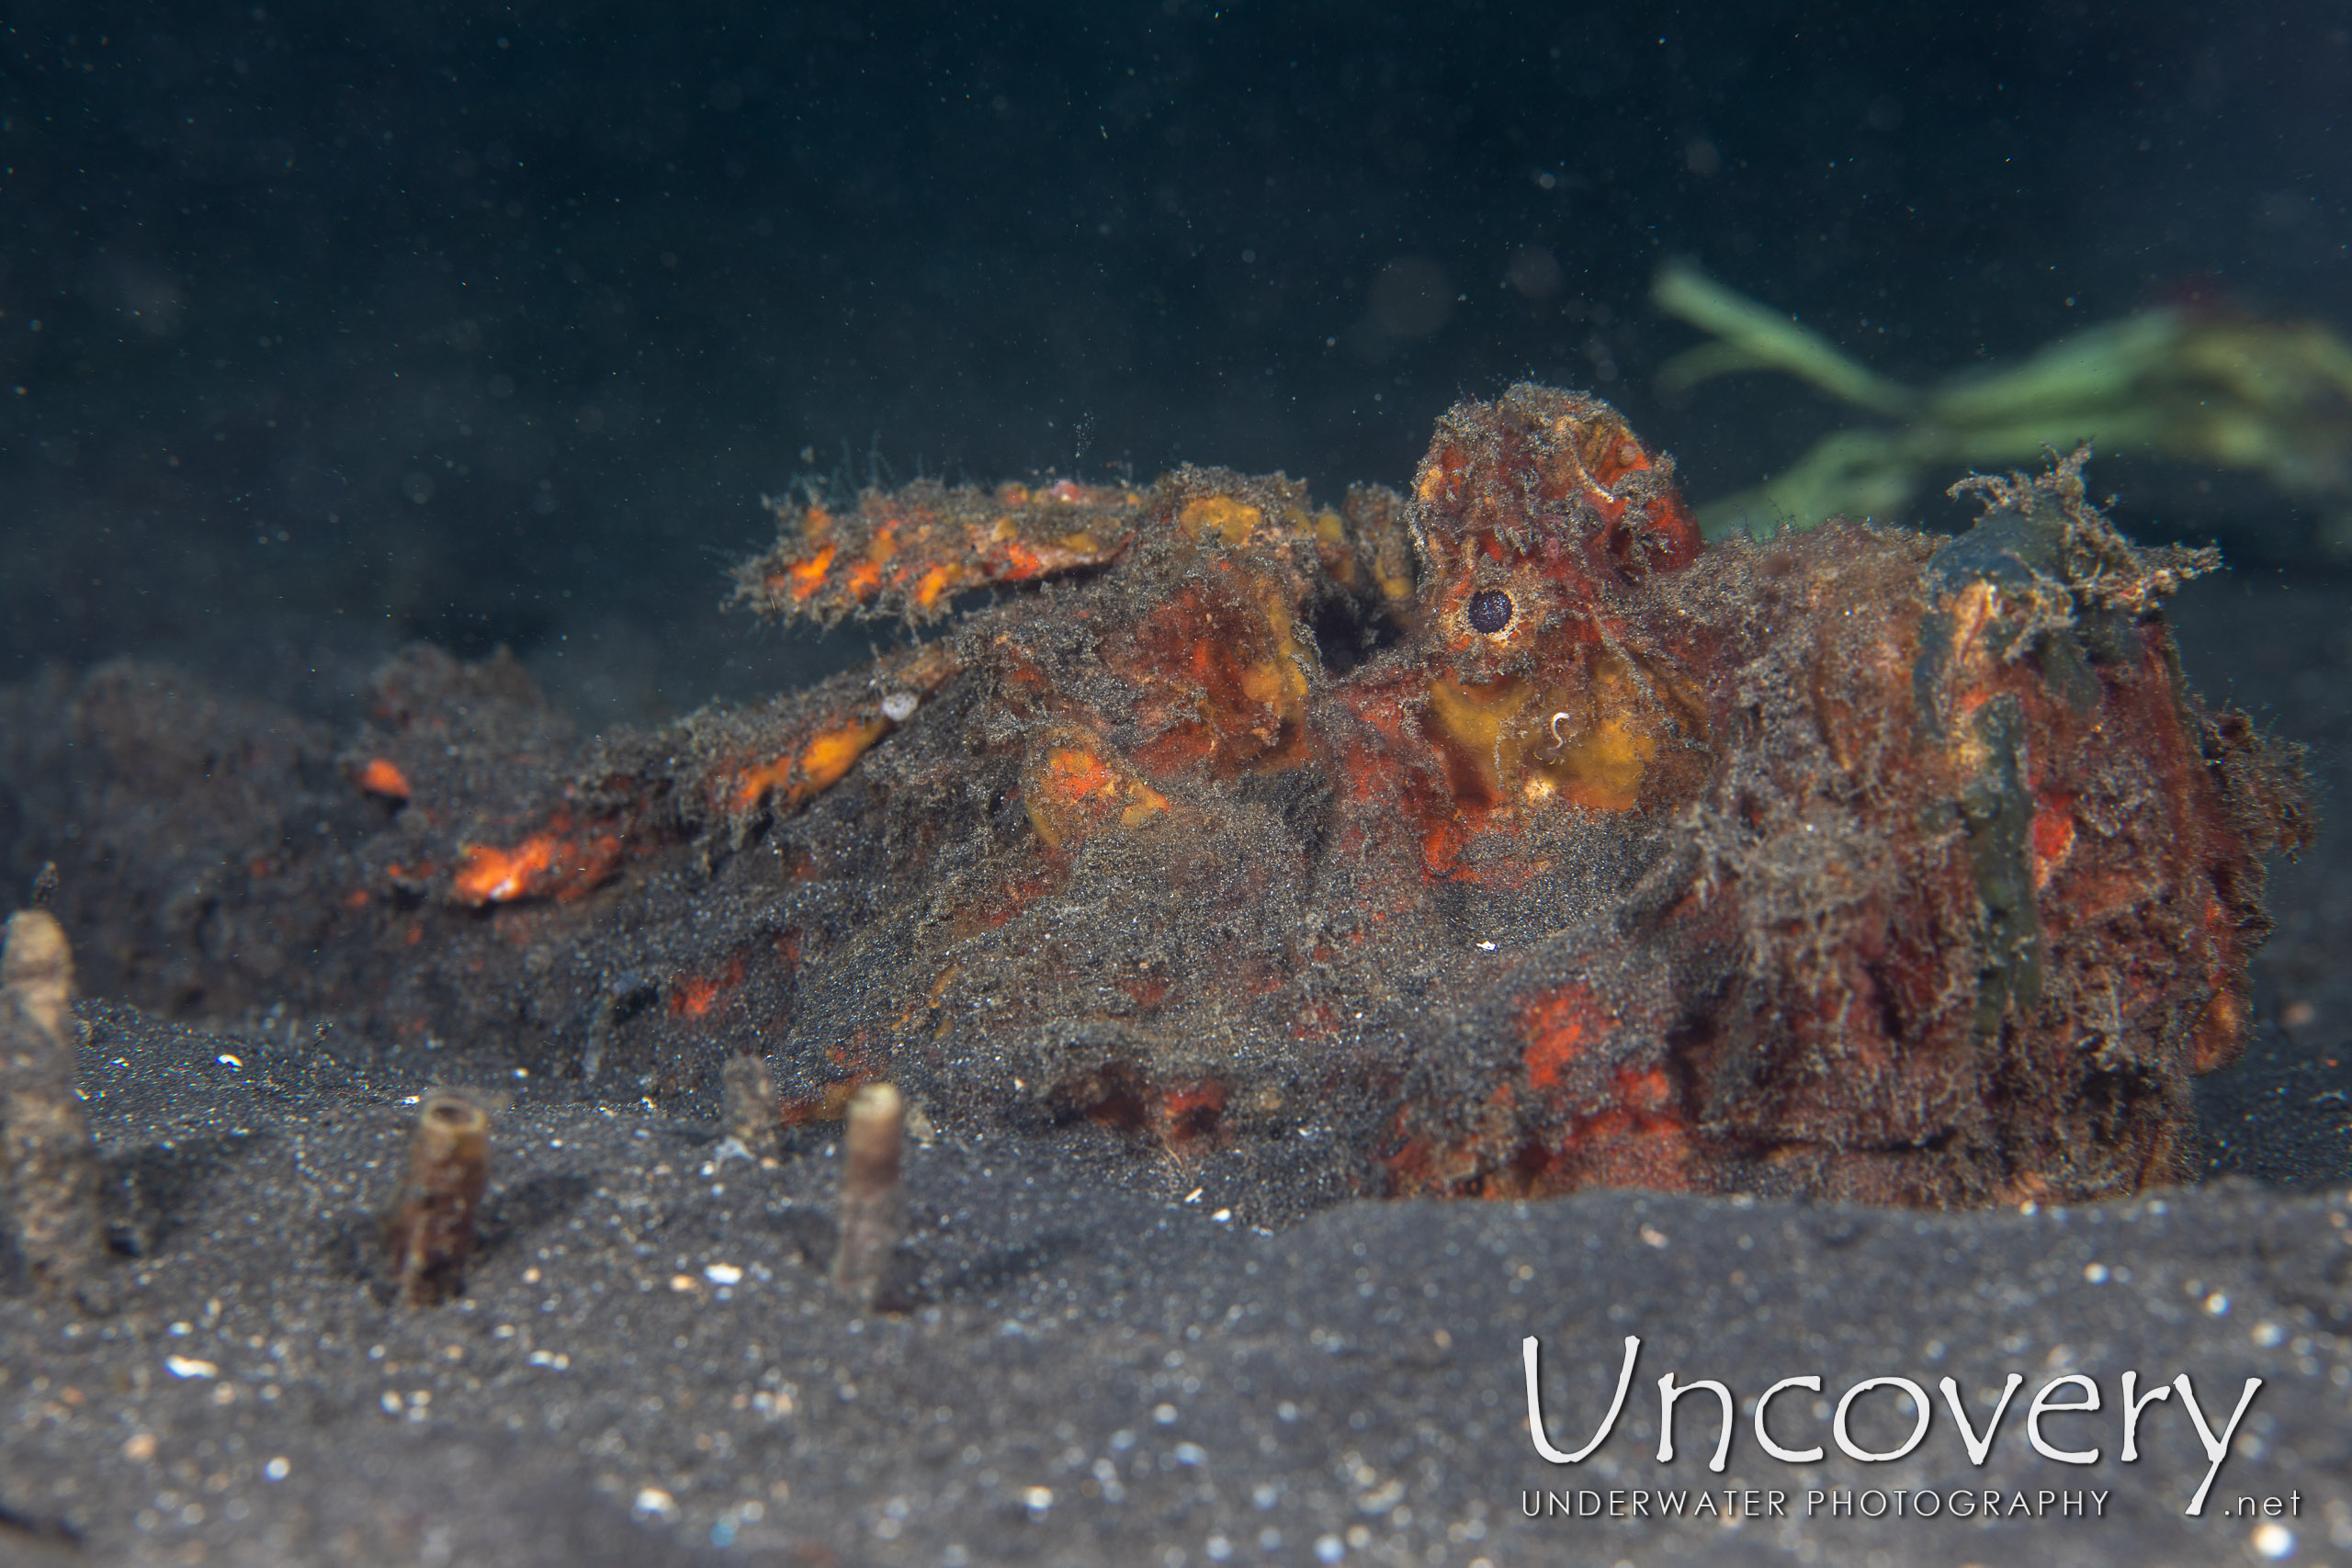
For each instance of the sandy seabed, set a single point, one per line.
(1100, 1363)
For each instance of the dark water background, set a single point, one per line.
(323, 328)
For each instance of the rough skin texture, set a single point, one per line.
(1860, 863)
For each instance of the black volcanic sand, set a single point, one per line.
(1093, 1367)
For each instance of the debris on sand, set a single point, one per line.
(46, 1157)
(430, 1232)
(753, 1114)
(874, 1196)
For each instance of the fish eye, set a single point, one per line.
(1491, 610)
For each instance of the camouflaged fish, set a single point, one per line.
(1490, 837)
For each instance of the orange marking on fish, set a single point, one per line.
(1648, 1094)
(382, 777)
(1559, 1025)
(816, 766)
(695, 994)
(833, 754)
(1074, 775)
(556, 864)
(2053, 837)
(1021, 562)
(1190, 1114)
(487, 874)
(808, 576)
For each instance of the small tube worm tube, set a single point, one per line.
(753, 1116)
(430, 1232)
(873, 1199)
(46, 1161)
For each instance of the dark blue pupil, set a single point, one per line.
(1491, 610)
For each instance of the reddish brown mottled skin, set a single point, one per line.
(1878, 763)
(909, 552)
(1487, 838)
